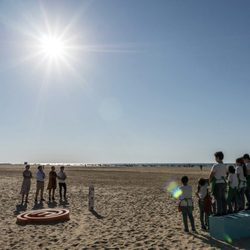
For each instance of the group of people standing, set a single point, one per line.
(229, 191)
(40, 183)
(230, 185)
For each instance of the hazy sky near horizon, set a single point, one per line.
(140, 81)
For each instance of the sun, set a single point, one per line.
(52, 47)
(54, 51)
(56, 47)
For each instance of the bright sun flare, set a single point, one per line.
(52, 47)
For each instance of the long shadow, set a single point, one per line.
(98, 216)
(38, 205)
(213, 242)
(52, 204)
(64, 204)
(44, 223)
(242, 243)
(20, 208)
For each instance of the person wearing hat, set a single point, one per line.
(246, 159)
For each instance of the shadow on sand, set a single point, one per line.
(223, 245)
(38, 205)
(20, 208)
(64, 204)
(213, 242)
(52, 204)
(98, 216)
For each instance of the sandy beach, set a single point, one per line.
(132, 212)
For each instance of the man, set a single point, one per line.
(62, 183)
(246, 159)
(218, 178)
(40, 177)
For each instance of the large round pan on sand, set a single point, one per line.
(43, 216)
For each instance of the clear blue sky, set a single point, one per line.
(149, 81)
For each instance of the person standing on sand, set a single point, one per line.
(204, 201)
(240, 170)
(40, 177)
(233, 184)
(52, 183)
(218, 178)
(246, 159)
(186, 204)
(25, 189)
(62, 183)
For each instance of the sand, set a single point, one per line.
(132, 212)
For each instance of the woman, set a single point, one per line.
(52, 183)
(25, 189)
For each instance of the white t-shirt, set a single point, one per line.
(220, 172)
(242, 178)
(186, 196)
(61, 177)
(233, 180)
(203, 191)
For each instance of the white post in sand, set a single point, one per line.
(91, 197)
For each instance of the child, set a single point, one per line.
(218, 177)
(233, 184)
(186, 204)
(204, 201)
(242, 183)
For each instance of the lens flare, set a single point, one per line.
(228, 239)
(177, 193)
(173, 188)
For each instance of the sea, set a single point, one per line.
(117, 165)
